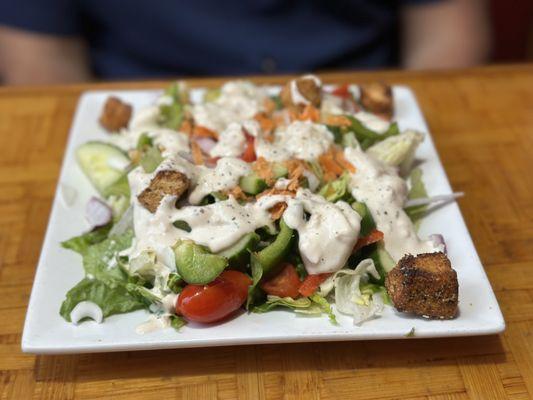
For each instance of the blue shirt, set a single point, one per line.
(157, 38)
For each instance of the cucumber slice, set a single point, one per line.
(252, 184)
(103, 163)
(279, 170)
(238, 255)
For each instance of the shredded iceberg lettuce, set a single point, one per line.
(398, 150)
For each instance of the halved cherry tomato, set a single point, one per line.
(372, 237)
(216, 300)
(342, 91)
(284, 284)
(249, 150)
(312, 282)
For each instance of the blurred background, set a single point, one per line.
(62, 41)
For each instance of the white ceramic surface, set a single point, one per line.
(59, 269)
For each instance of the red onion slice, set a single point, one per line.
(97, 212)
(206, 144)
(438, 241)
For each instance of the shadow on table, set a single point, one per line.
(324, 357)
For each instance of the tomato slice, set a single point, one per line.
(312, 282)
(342, 91)
(372, 237)
(284, 284)
(215, 301)
(249, 151)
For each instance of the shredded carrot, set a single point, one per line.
(277, 210)
(295, 167)
(266, 124)
(336, 120)
(329, 165)
(310, 113)
(270, 105)
(372, 237)
(238, 193)
(186, 127)
(197, 155)
(334, 164)
(339, 157)
(202, 131)
(263, 169)
(274, 191)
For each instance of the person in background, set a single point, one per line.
(53, 41)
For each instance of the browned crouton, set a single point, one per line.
(308, 89)
(424, 285)
(377, 98)
(115, 115)
(164, 183)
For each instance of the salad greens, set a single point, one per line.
(145, 257)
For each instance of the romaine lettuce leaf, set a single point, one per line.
(111, 296)
(81, 243)
(99, 258)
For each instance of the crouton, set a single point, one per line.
(424, 285)
(165, 182)
(377, 98)
(308, 87)
(115, 115)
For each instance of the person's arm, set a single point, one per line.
(445, 34)
(36, 58)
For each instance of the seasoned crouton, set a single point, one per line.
(115, 115)
(164, 183)
(377, 98)
(424, 285)
(307, 87)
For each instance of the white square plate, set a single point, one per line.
(45, 331)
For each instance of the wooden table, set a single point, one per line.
(482, 122)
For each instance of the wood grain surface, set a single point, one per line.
(482, 123)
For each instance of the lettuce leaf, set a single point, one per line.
(98, 257)
(417, 191)
(80, 244)
(350, 300)
(111, 296)
(398, 150)
(338, 189)
(288, 302)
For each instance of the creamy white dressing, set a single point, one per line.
(231, 142)
(304, 140)
(216, 226)
(169, 141)
(385, 193)
(221, 224)
(225, 175)
(238, 101)
(297, 97)
(153, 324)
(372, 121)
(331, 104)
(327, 239)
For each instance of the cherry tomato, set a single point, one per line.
(372, 237)
(215, 300)
(312, 282)
(249, 150)
(342, 91)
(284, 284)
